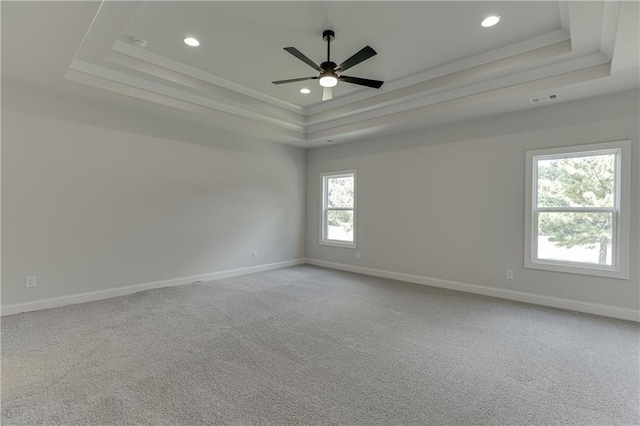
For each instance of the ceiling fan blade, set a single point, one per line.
(361, 81)
(327, 94)
(298, 54)
(293, 80)
(364, 54)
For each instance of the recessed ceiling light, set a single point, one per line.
(190, 41)
(305, 91)
(490, 21)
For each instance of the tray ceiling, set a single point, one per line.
(243, 42)
(434, 57)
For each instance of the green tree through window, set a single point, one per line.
(341, 195)
(338, 208)
(587, 181)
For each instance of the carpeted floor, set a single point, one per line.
(307, 345)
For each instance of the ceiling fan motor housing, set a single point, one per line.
(328, 68)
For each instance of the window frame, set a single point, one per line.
(324, 209)
(620, 212)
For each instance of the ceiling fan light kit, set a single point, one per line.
(328, 81)
(329, 72)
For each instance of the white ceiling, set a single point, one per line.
(243, 41)
(438, 64)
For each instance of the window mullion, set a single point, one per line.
(577, 209)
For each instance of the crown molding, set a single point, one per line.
(437, 96)
(162, 61)
(258, 130)
(180, 95)
(495, 56)
(609, 25)
(439, 105)
(439, 81)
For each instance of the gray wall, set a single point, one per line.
(448, 202)
(95, 198)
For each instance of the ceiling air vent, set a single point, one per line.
(138, 42)
(541, 99)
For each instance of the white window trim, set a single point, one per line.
(623, 203)
(323, 210)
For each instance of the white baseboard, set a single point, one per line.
(536, 299)
(574, 305)
(55, 302)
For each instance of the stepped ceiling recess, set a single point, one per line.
(438, 63)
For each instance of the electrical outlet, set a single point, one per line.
(254, 254)
(357, 255)
(30, 282)
(509, 274)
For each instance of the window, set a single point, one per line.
(339, 209)
(577, 212)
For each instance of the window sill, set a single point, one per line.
(338, 244)
(595, 271)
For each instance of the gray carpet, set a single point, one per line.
(307, 345)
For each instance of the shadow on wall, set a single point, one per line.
(180, 127)
(561, 115)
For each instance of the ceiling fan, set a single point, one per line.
(330, 73)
